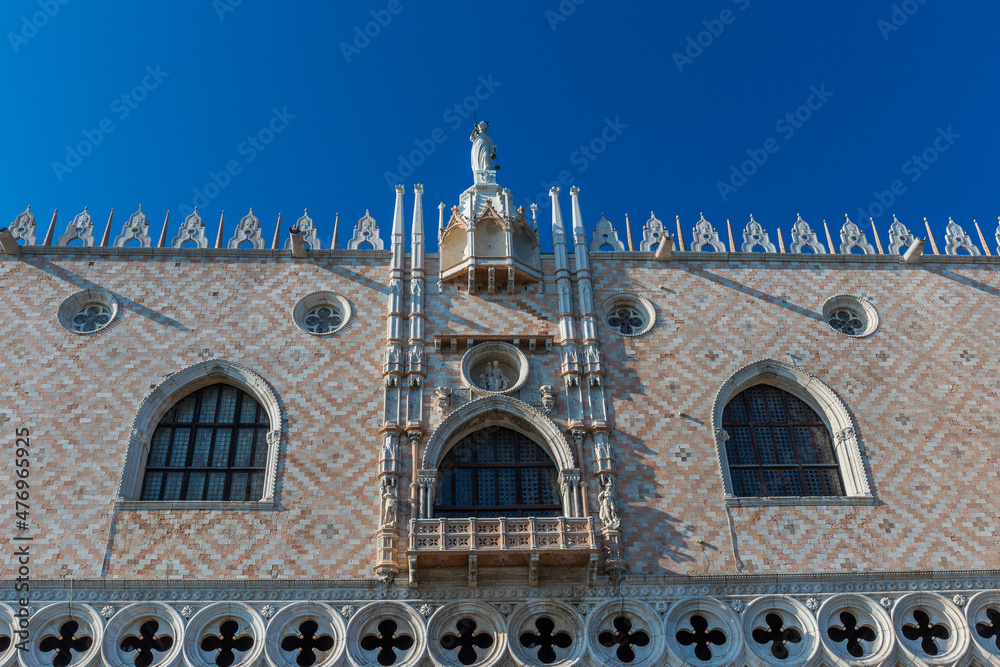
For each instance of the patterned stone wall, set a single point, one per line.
(79, 394)
(920, 390)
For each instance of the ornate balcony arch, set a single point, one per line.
(506, 541)
(498, 411)
(818, 396)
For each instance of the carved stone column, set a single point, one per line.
(427, 488)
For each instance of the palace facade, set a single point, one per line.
(629, 451)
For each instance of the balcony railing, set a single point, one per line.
(514, 534)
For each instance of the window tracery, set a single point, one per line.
(497, 472)
(778, 446)
(211, 445)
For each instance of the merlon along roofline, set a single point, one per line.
(705, 240)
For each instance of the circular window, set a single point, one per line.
(850, 315)
(494, 367)
(628, 314)
(322, 313)
(88, 311)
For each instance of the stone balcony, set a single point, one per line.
(529, 541)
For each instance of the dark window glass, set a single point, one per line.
(211, 445)
(497, 472)
(778, 446)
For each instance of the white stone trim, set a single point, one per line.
(498, 410)
(805, 653)
(818, 396)
(365, 622)
(954, 650)
(643, 617)
(174, 388)
(81, 227)
(632, 300)
(512, 362)
(867, 612)
(209, 619)
(718, 615)
(317, 299)
(566, 619)
(47, 621)
(95, 296)
(985, 650)
(10, 624)
(859, 305)
(487, 619)
(605, 234)
(502, 410)
(127, 622)
(366, 232)
(287, 622)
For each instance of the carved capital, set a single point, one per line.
(427, 478)
(847, 435)
(571, 476)
(721, 436)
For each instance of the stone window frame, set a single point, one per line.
(322, 299)
(632, 300)
(156, 404)
(825, 402)
(95, 296)
(858, 305)
(509, 412)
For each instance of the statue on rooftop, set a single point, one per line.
(483, 151)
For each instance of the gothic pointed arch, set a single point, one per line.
(177, 386)
(498, 411)
(508, 413)
(818, 397)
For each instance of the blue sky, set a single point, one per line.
(645, 106)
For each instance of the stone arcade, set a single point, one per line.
(692, 452)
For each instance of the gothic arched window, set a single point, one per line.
(211, 445)
(778, 446)
(497, 472)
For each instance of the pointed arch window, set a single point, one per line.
(778, 446)
(211, 445)
(497, 472)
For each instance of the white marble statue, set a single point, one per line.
(493, 379)
(389, 502)
(483, 150)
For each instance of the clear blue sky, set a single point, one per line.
(679, 114)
